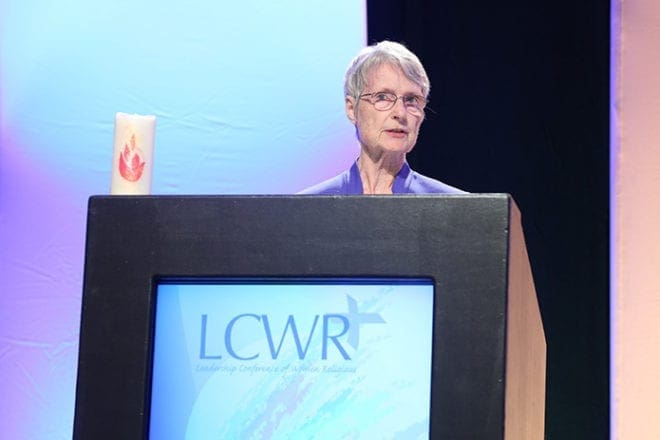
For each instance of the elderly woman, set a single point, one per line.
(386, 90)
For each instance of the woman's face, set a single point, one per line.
(392, 131)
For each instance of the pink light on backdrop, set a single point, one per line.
(38, 315)
(635, 205)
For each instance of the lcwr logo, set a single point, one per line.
(331, 325)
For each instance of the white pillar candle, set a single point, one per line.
(132, 158)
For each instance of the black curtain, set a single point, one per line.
(519, 104)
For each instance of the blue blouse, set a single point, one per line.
(406, 181)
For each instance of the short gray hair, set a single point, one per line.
(385, 52)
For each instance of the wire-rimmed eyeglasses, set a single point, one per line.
(383, 101)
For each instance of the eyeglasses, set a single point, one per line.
(383, 101)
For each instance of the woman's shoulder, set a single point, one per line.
(337, 185)
(421, 184)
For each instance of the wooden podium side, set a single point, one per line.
(525, 365)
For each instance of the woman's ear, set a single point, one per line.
(351, 109)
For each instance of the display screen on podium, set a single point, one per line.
(331, 358)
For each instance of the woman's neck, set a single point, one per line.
(378, 175)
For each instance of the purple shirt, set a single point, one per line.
(406, 181)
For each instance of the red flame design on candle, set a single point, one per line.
(131, 165)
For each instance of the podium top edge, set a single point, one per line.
(298, 196)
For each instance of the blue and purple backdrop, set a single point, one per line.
(248, 97)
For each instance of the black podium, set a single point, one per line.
(488, 359)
